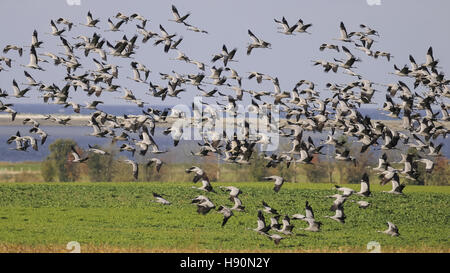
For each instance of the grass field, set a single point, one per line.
(119, 217)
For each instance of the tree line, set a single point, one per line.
(110, 168)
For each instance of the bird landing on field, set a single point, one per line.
(392, 230)
(160, 199)
(278, 182)
(227, 213)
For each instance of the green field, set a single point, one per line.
(119, 217)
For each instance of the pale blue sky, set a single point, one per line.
(406, 27)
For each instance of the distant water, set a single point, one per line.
(181, 153)
(81, 134)
(59, 109)
(133, 110)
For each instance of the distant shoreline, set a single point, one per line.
(82, 121)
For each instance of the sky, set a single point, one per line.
(405, 26)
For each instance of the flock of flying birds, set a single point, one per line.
(302, 106)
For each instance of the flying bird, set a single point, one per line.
(160, 199)
(227, 213)
(76, 157)
(257, 43)
(392, 230)
(278, 182)
(268, 209)
(177, 18)
(135, 168)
